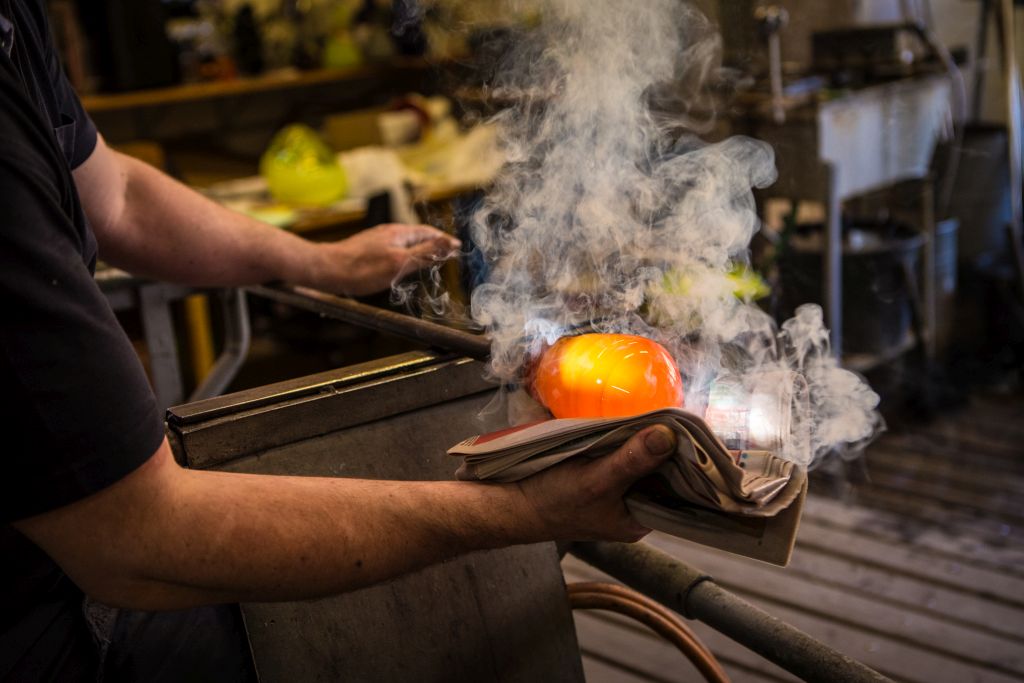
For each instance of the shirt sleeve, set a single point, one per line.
(76, 410)
(81, 148)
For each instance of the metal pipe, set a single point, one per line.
(237, 338)
(832, 256)
(1011, 73)
(981, 41)
(374, 318)
(771, 20)
(696, 596)
(929, 288)
(960, 113)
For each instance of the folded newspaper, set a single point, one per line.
(747, 502)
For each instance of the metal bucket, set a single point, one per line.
(876, 303)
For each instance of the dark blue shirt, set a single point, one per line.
(76, 410)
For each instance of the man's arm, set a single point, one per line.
(166, 537)
(150, 224)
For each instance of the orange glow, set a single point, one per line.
(606, 375)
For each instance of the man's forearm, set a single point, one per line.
(203, 537)
(297, 538)
(151, 224)
(164, 537)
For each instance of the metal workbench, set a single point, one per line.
(500, 615)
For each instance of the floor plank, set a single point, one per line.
(902, 622)
(983, 613)
(912, 560)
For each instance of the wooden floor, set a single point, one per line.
(917, 571)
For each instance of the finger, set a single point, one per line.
(638, 457)
(422, 255)
(409, 235)
(432, 250)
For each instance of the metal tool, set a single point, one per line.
(374, 318)
(771, 19)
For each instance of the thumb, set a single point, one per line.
(641, 455)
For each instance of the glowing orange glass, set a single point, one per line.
(606, 375)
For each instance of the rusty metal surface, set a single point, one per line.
(211, 432)
(491, 616)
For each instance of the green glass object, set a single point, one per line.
(341, 52)
(300, 169)
(747, 284)
(744, 282)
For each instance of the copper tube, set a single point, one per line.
(616, 598)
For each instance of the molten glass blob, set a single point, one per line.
(606, 375)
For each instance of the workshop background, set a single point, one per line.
(896, 126)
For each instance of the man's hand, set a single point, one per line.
(582, 499)
(372, 260)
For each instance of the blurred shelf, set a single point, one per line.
(443, 192)
(287, 79)
(322, 221)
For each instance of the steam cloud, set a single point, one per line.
(614, 215)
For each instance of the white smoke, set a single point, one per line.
(615, 216)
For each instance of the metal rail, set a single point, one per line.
(475, 346)
(237, 339)
(696, 596)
